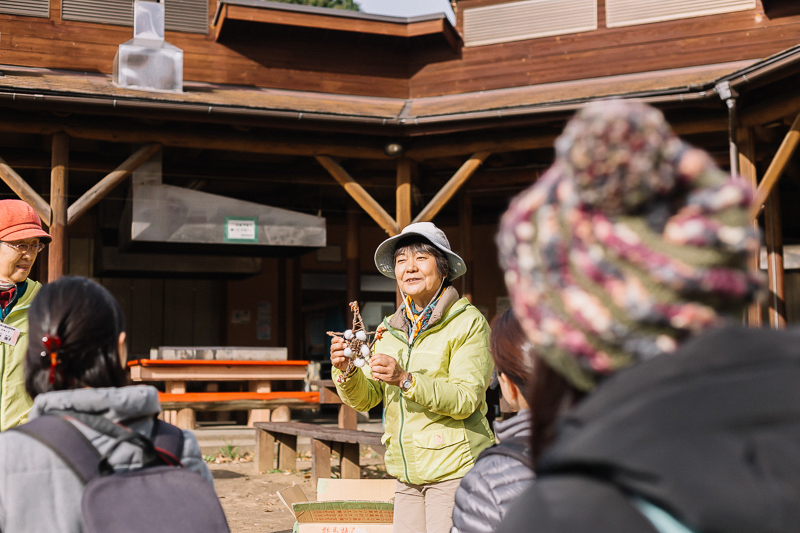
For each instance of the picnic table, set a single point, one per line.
(179, 406)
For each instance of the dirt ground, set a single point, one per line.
(250, 498)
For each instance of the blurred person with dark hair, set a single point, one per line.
(75, 364)
(626, 266)
(503, 471)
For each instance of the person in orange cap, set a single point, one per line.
(21, 240)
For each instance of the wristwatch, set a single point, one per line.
(406, 383)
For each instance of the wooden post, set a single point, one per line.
(403, 193)
(287, 452)
(289, 327)
(186, 418)
(349, 467)
(465, 227)
(348, 417)
(452, 186)
(774, 237)
(259, 415)
(747, 170)
(321, 460)
(353, 260)
(58, 254)
(265, 451)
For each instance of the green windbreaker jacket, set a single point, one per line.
(435, 430)
(14, 401)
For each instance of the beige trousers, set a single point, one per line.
(424, 508)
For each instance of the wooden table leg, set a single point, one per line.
(259, 415)
(265, 450)
(287, 451)
(320, 460)
(349, 463)
(186, 418)
(348, 417)
(183, 418)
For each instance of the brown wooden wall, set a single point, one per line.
(604, 52)
(337, 62)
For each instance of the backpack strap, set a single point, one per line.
(518, 447)
(168, 442)
(67, 442)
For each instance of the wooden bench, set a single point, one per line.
(179, 409)
(175, 373)
(324, 439)
(348, 417)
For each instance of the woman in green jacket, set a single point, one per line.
(21, 240)
(431, 369)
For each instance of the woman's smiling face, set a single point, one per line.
(417, 274)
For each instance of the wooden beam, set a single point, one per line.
(433, 150)
(59, 251)
(196, 137)
(107, 184)
(360, 195)
(775, 108)
(426, 149)
(403, 194)
(775, 271)
(452, 186)
(776, 168)
(25, 192)
(747, 170)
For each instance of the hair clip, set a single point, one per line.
(53, 344)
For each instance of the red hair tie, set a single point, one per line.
(53, 344)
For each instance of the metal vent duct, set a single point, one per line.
(629, 12)
(165, 218)
(147, 61)
(531, 19)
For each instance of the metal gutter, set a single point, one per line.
(763, 68)
(122, 103)
(399, 120)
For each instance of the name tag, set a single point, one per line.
(9, 334)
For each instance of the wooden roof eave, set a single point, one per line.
(259, 11)
(461, 112)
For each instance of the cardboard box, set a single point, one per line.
(343, 506)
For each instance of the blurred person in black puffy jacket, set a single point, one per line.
(503, 471)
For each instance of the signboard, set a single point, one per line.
(241, 229)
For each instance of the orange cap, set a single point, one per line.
(19, 221)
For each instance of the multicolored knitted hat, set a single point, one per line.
(629, 244)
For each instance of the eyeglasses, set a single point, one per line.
(25, 248)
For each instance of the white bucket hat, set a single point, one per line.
(384, 255)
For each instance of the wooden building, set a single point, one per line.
(371, 122)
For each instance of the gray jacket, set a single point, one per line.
(488, 490)
(39, 493)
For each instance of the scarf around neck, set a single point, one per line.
(417, 321)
